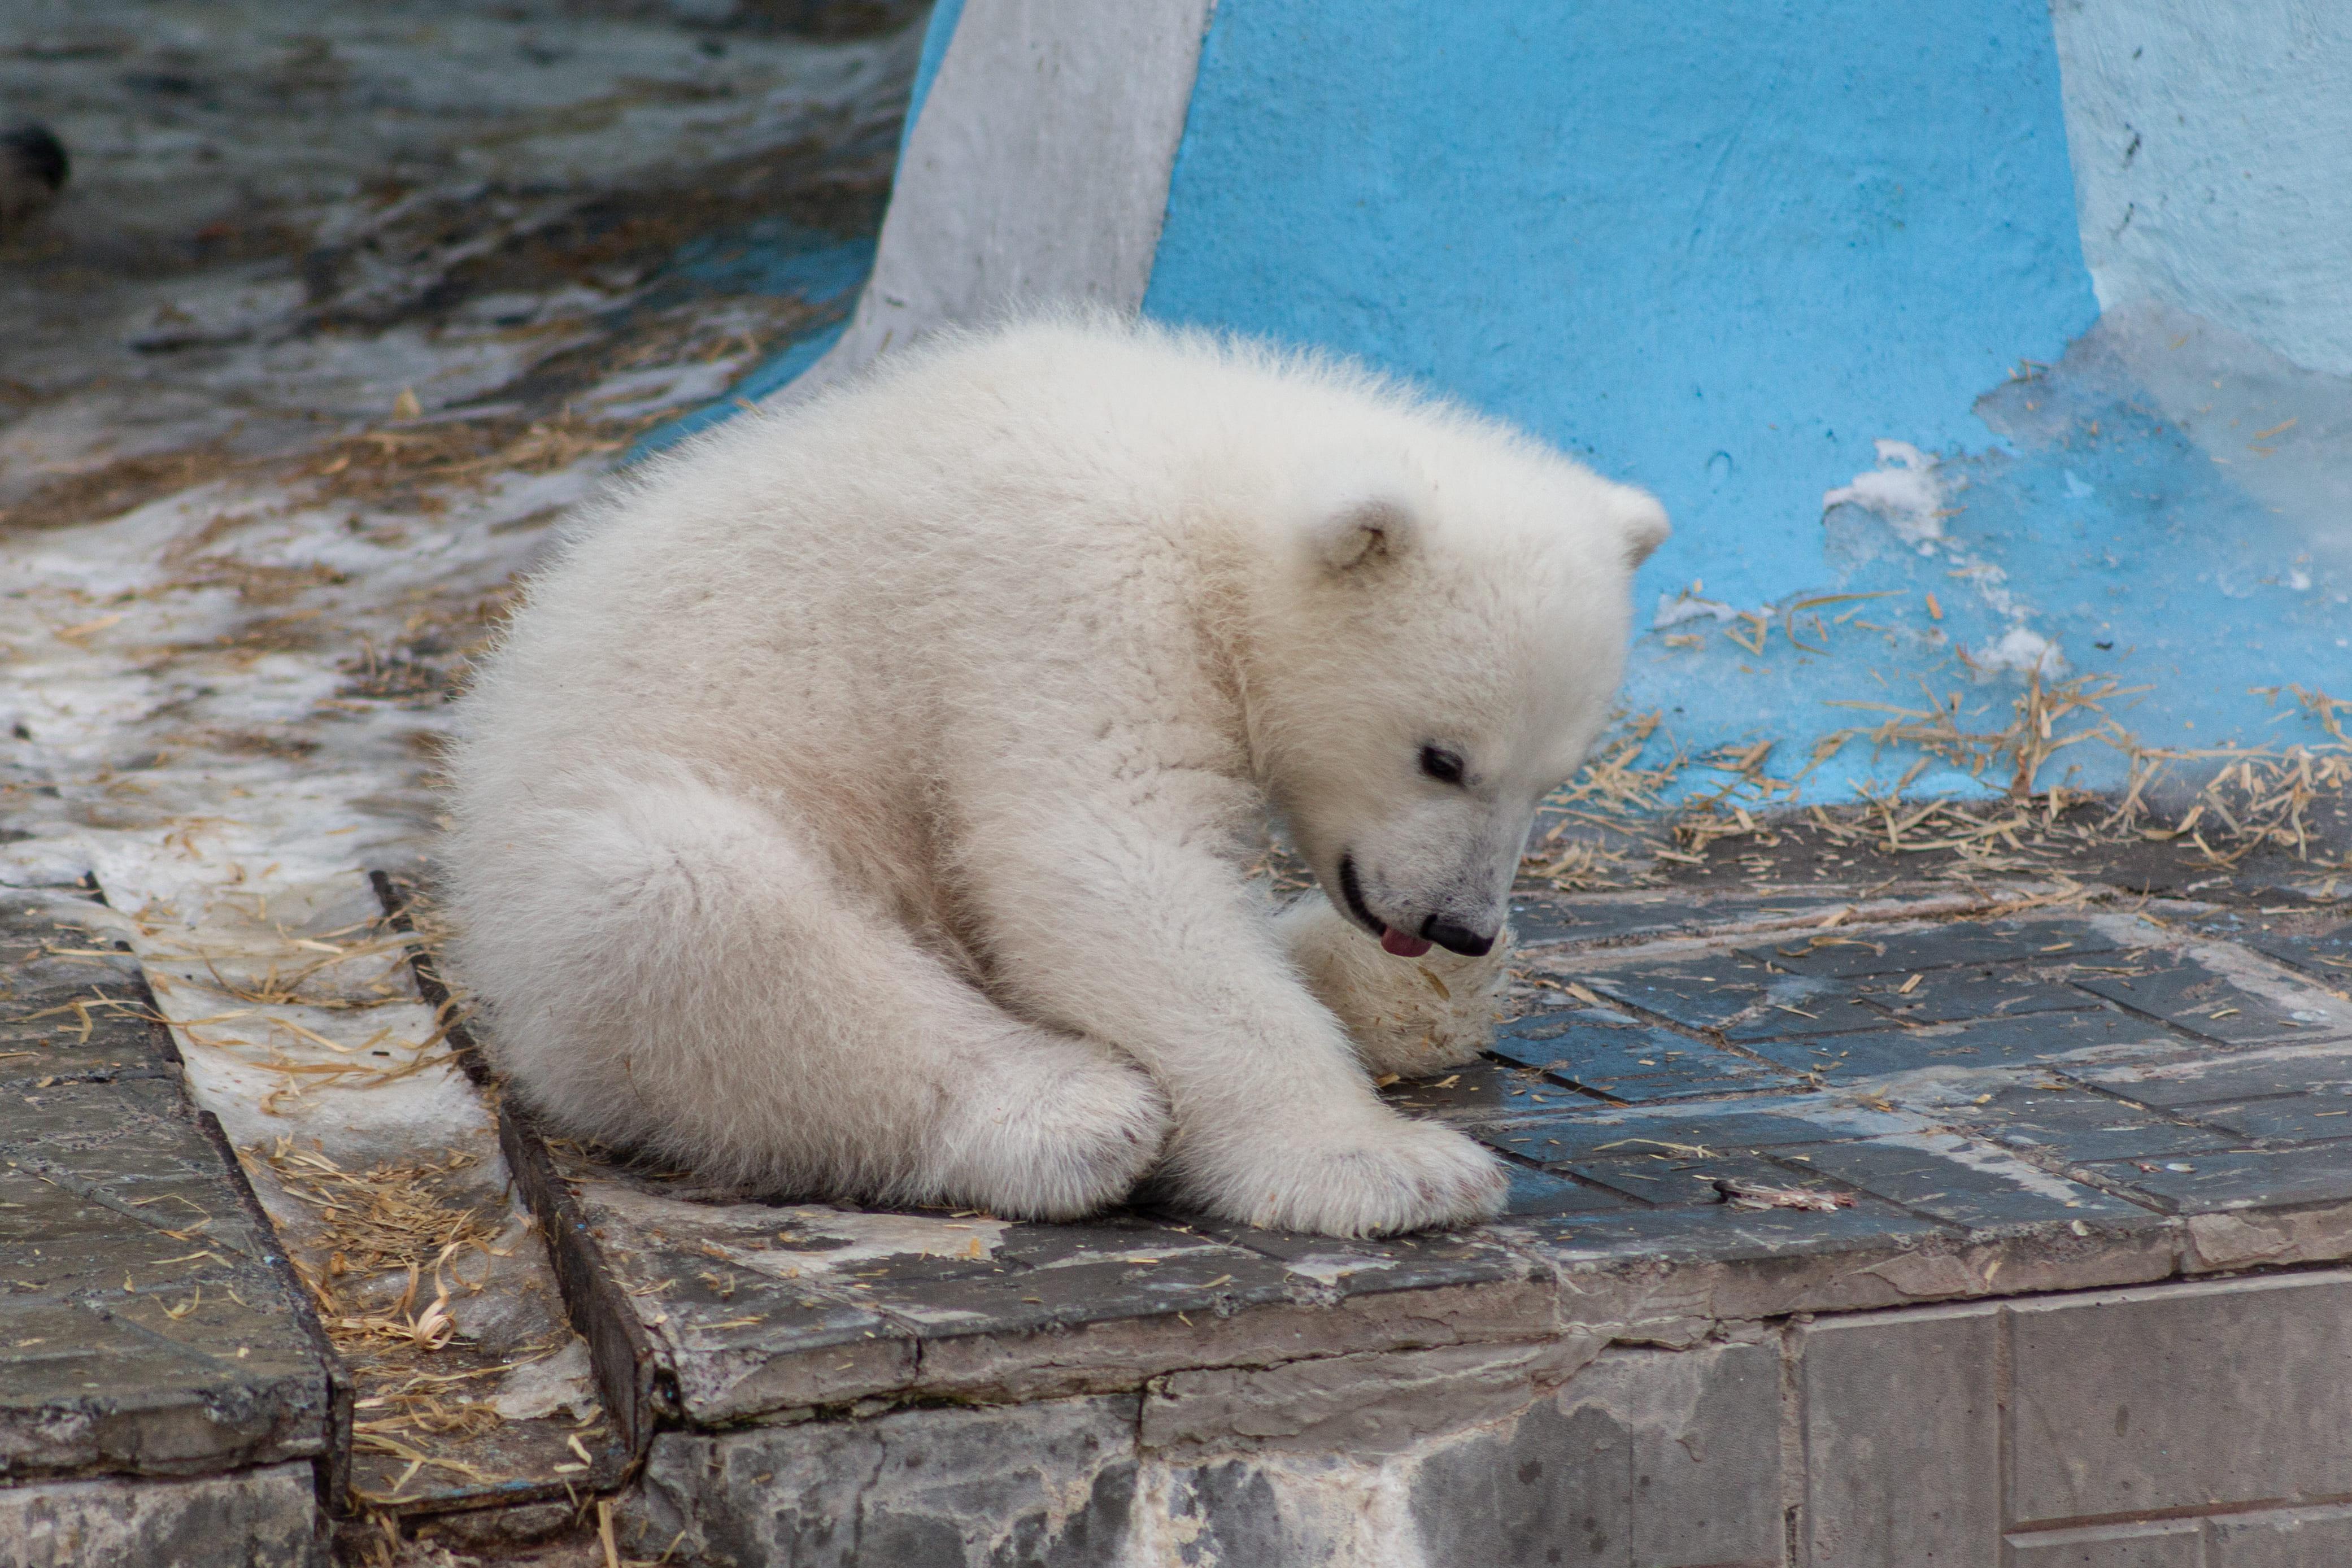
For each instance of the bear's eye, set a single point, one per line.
(1444, 765)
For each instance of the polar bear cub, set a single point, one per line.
(859, 806)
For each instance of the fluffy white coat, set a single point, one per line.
(860, 805)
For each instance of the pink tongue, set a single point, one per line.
(1404, 946)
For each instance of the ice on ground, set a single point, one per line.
(1905, 492)
(561, 1381)
(2022, 649)
(1686, 605)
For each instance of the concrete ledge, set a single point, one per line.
(2200, 1422)
(265, 1518)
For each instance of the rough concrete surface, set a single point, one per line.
(265, 1518)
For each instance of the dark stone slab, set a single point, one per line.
(2025, 1040)
(1392, 1263)
(1682, 1181)
(1962, 1182)
(2287, 1118)
(1721, 1233)
(1961, 994)
(2082, 1128)
(1842, 953)
(2327, 957)
(148, 1323)
(1739, 998)
(2188, 996)
(1613, 1055)
(1704, 1128)
(2319, 945)
(2213, 1076)
(1483, 1090)
(71, 1000)
(2227, 1179)
(1538, 1193)
(1542, 919)
(762, 1308)
(1097, 1288)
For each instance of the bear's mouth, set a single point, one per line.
(1400, 943)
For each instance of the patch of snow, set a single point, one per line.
(564, 1381)
(1688, 607)
(1904, 491)
(2021, 649)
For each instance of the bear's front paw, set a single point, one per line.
(1404, 1015)
(1381, 1177)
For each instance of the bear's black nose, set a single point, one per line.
(1458, 939)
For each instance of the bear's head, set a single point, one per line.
(1436, 644)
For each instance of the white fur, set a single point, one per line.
(858, 808)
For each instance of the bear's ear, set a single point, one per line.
(1643, 522)
(1368, 528)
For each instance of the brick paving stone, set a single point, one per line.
(2237, 1178)
(2327, 957)
(2081, 1127)
(1958, 994)
(1737, 998)
(2318, 946)
(1963, 1181)
(1682, 1181)
(1107, 1288)
(1672, 1129)
(2208, 1077)
(2031, 1039)
(1478, 1091)
(1392, 1263)
(1542, 919)
(1538, 1193)
(148, 1325)
(1628, 1060)
(2284, 1119)
(1850, 954)
(1719, 1233)
(2188, 996)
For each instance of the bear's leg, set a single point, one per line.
(1125, 929)
(670, 972)
(1405, 1016)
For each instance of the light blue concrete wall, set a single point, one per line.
(1723, 259)
(1718, 256)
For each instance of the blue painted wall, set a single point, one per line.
(1724, 250)
(1720, 248)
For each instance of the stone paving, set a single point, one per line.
(1938, 1219)
(1840, 1228)
(1726, 1148)
(150, 1326)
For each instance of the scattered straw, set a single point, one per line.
(1610, 827)
(395, 1216)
